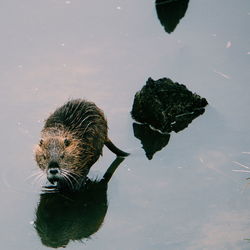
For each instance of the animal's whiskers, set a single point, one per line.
(40, 177)
(72, 173)
(34, 174)
(70, 176)
(67, 180)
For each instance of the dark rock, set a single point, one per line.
(160, 103)
(166, 106)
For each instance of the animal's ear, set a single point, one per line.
(41, 142)
(66, 142)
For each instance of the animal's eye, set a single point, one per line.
(44, 157)
(66, 142)
(62, 155)
(41, 142)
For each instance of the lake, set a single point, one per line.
(194, 193)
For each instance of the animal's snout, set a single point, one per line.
(53, 165)
(53, 171)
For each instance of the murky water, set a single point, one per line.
(187, 196)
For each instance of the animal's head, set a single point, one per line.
(60, 158)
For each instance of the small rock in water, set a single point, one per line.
(163, 103)
(161, 107)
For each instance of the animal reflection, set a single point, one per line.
(170, 12)
(73, 216)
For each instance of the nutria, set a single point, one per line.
(71, 142)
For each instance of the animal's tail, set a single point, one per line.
(114, 149)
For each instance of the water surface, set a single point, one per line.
(187, 196)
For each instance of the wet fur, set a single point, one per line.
(73, 136)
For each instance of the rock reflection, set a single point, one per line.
(170, 12)
(63, 217)
(154, 140)
(161, 107)
(151, 140)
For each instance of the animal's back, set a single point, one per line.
(80, 117)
